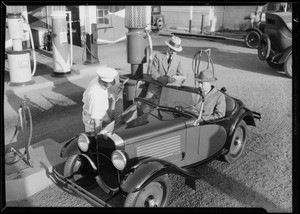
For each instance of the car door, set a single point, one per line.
(203, 141)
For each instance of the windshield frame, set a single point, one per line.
(178, 109)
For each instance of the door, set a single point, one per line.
(203, 142)
(76, 34)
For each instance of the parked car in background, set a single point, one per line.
(275, 46)
(157, 20)
(152, 138)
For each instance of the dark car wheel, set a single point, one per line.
(252, 39)
(264, 47)
(155, 194)
(288, 69)
(237, 143)
(273, 64)
(78, 170)
(159, 23)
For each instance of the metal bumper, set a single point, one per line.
(80, 191)
(256, 115)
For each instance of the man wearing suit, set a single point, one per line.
(166, 65)
(214, 101)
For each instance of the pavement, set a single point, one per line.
(24, 181)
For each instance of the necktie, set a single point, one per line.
(169, 59)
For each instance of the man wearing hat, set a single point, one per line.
(214, 101)
(165, 65)
(95, 99)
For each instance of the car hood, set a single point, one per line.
(149, 125)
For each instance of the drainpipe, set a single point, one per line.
(191, 18)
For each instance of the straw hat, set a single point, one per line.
(107, 74)
(205, 76)
(174, 43)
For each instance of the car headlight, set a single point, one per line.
(119, 159)
(83, 142)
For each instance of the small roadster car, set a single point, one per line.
(152, 138)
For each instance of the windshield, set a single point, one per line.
(149, 96)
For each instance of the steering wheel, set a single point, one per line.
(181, 104)
(264, 47)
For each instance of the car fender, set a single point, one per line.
(255, 29)
(70, 148)
(285, 55)
(244, 114)
(143, 173)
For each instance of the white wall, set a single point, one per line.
(230, 17)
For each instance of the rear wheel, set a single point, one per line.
(264, 47)
(252, 39)
(288, 66)
(237, 143)
(155, 194)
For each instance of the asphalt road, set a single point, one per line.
(261, 178)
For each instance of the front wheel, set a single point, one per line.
(78, 169)
(288, 66)
(237, 143)
(155, 194)
(252, 39)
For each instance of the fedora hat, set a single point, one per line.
(174, 43)
(205, 76)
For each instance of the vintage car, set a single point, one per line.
(275, 45)
(152, 138)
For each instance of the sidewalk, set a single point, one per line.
(23, 181)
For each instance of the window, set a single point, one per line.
(103, 19)
(102, 14)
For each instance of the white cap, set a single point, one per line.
(107, 74)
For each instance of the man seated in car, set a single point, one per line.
(214, 100)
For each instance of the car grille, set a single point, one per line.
(160, 148)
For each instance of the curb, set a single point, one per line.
(169, 33)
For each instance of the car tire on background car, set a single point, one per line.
(252, 39)
(78, 169)
(264, 47)
(155, 194)
(288, 69)
(238, 142)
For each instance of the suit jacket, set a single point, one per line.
(160, 66)
(214, 105)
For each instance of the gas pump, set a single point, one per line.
(19, 58)
(135, 21)
(62, 54)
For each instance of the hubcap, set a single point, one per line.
(236, 146)
(151, 196)
(76, 170)
(150, 202)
